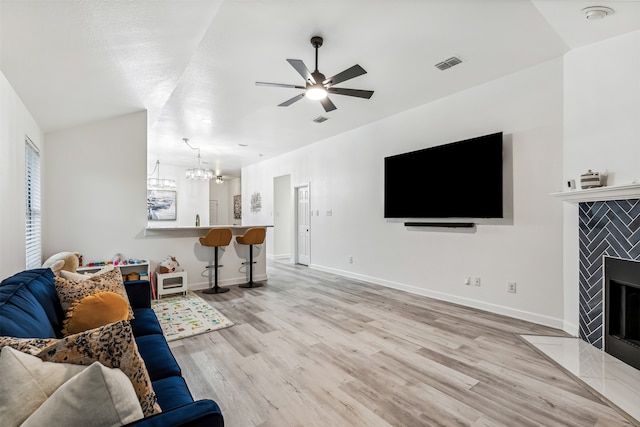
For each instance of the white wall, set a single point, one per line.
(15, 124)
(346, 176)
(279, 241)
(96, 182)
(601, 132)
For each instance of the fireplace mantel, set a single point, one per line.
(618, 192)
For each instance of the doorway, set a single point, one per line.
(303, 225)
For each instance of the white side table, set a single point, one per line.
(171, 283)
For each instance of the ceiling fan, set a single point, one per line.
(317, 87)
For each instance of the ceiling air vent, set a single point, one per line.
(448, 63)
(320, 119)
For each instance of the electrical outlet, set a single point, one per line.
(350, 260)
(329, 213)
(477, 281)
(467, 280)
(511, 287)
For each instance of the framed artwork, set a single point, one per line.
(161, 205)
(256, 202)
(237, 207)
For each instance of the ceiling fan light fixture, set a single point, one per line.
(219, 179)
(316, 92)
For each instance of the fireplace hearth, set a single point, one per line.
(622, 309)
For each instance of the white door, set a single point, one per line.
(213, 212)
(302, 213)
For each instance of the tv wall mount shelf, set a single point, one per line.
(440, 224)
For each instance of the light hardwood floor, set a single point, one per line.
(315, 349)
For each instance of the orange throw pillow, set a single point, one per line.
(95, 310)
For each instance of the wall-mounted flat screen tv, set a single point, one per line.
(457, 180)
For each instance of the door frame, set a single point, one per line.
(295, 221)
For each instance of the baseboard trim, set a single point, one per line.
(493, 308)
(571, 329)
(285, 256)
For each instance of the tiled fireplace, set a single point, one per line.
(607, 228)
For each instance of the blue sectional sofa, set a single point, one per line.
(29, 308)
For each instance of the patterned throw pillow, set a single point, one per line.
(112, 345)
(70, 291)
(95, 310)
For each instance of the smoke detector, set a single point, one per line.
(597, 12)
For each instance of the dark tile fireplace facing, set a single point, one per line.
(607, 229)
(622, 310)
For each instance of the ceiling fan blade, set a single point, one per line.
(292, 100)
(279, 85)
(328, 105)
(347, 74)
(302, 70)
(351, 92)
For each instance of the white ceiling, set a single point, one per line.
(77, 61)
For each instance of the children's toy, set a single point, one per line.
(68, 261)
(169, 265)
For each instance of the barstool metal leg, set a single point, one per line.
(216, 289)
(251, 283)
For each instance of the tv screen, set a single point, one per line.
(458, 180)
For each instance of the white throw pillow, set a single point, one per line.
(26, 382)
(97, 396)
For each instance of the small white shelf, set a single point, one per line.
(600, 194)
(141, 268)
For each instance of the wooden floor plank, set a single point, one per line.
(316, 349)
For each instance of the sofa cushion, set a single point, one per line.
(97, 396)
(158, 357)
(95, 310)
(27, 382)
(172, 392)
(112, 345)
(29, 305)
(145, 322)
(70, 291)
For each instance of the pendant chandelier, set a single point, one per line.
(199, 173)
(157, 182)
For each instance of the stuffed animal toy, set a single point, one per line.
(68, 261)
(169, 265)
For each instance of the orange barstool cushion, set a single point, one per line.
(253, 236)
(217, 237)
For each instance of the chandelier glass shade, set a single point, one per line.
(157, 182)
(199, 173)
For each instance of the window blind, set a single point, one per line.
(33, 243)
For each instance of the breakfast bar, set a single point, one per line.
(233, 258)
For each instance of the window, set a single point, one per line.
(32, 197)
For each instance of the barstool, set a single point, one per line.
(253, 236)
(216, 237)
